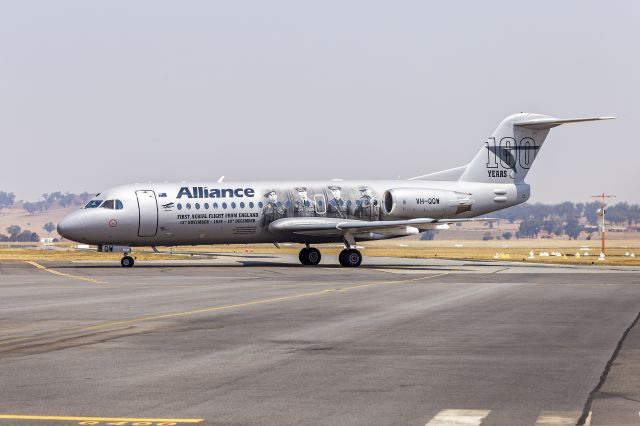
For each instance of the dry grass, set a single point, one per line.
(517, 250)
(37, 255)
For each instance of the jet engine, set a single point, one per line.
(425, 202)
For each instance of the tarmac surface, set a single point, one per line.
(264, 340)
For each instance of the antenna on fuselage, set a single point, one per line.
(221, 179)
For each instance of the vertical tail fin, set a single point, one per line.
(508, 154)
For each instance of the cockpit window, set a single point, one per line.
(93, 204)
(109, 204)
(119, 205)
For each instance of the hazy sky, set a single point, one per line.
(94, 94)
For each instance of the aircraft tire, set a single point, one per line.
(310, 256)
(303, 257)
(350, 258)
(127, 262)
(313, 256)
(341, 258)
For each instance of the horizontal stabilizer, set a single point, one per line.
(549, 122)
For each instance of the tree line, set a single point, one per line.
(566, 218)
(621, 213)
(17, 234)
(46, 201)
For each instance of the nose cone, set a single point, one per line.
(72, 227)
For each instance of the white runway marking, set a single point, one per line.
(458, 418)
(560, 418)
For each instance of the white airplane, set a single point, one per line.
(317, 211)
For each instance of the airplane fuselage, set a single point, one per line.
(240, 212)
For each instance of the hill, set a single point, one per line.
(16, 215)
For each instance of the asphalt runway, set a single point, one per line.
(259, 341)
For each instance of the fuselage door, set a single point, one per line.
(321, 206)
(148, 213)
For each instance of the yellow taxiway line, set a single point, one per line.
(62, 274)
(96, 419)
(256, 302)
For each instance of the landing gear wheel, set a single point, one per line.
(341, 257)
(350, 258)
(127, 262)
(309, 256)
(313, 256)
(302, 256)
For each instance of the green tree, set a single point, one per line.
(66, 199)
(53, 197)
(26, 236)
(45, 200)
(6, 199)
(572, 228)
(529, 228)
(13, 230)
(552, 226)
(30, 207)
(49, 227)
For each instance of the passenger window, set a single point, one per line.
(109, 204)
(93, 204)
(233, 205)
(206, 206)
(119, 205)
(242, 205)
(179, 206)
(215, 205)
(251, 204)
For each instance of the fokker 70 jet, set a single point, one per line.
(313, 212)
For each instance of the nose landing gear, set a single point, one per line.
(127, 262)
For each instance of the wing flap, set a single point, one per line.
(327, 227)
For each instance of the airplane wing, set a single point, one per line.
(318, 226)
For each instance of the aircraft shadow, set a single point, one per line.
(260, 264)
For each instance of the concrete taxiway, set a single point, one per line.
(263, 340)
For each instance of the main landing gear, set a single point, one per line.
(309, 256)
(349, 257)
(127, 262)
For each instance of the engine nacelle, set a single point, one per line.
(425, 202)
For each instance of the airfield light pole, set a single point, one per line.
(600, 213)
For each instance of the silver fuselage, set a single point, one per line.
(173, 214)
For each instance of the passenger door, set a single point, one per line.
(148, 213)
